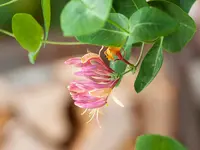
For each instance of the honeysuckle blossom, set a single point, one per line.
(92, 93)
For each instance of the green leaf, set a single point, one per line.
(149, 23)
(81, 17)
(128, 7)
(46, 8)
(157, 142)
(27, 31)
(112, 34)
(185, 31)
(177, 2)
(187, 4)
(183, 4)
(150, 66)
(32, 56)
(119, 66)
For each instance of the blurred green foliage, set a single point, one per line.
(32, 7)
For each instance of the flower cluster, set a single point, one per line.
(92, 93)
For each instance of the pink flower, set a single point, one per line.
(92, 93)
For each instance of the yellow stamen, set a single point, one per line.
(111, 51)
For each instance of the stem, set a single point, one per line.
(62, 43)
(7, 3)
(140, 56)
(118, 26)
(127, 71)
(124, 60)
(46, 42)
(7, 33)
(113, 10)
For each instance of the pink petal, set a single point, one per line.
(74, 61)
(84, 73)
(89, 67)
(90, 105)
(84, 98)
(101, 63)
(78, 87)
(87, 57)
(101, 93)
(93, 58)
(92, 74)
(98, 86)
(98, 79)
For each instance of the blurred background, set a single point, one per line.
(37, 113)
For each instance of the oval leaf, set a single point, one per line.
(46, 9)
(157, 142)
(27, 31)
(128, 7)
(150, 66)
(149, 23)
(81, 17)
(112, 34)
(185, 31)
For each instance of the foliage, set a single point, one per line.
(150, 66)
(29, 34)
(46, 15)
(157, 142)
(165, 24)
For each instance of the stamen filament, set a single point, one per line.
(84, 112)
(97, 118)
(117, 101)
(93, 115)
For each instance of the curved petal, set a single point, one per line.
(90, 105)
(76, 61)
(94, 59)
(89, 56)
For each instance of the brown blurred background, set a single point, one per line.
(36, 111)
